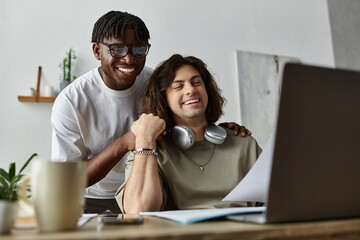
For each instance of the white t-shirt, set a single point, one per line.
(87, 116)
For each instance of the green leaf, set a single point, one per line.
(4, 174)
(12, 168)
(3, 194)
(17, 178)
(9, 181)
(27, 162)
(12, 187)
(4, 183)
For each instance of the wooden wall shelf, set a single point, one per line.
(37, 97)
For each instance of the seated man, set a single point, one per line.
(195, 165)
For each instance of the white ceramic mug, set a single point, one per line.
(57, 190)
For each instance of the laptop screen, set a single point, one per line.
(316, 163)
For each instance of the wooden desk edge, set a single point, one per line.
(156, 228)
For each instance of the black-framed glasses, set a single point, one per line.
(119, 50)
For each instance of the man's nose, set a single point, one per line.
(190, 89)
(128, 59)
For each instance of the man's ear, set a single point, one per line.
(96, 50)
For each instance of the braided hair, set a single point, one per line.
(114, 23)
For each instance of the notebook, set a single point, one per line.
(316, 160)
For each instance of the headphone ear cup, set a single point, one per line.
(215, 134)
(182, 137)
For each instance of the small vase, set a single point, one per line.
(64, 84)
(8, 214)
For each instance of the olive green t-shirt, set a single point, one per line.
(201, 176)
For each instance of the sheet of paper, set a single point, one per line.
(85, 218)
(192, 216)
(254, 186)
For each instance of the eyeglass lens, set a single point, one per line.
(139, 50)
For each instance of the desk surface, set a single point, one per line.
(156, 228)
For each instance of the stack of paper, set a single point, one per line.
(192, 216)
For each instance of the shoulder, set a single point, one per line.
(239, 138)
(142, 80)
(86, 82)
(147, 70)
(245, 143)
(77, 90)
(145, 74)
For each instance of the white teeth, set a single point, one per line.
(127, 70)
(192, 101)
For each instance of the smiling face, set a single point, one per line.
(187, 97)
(119, 73)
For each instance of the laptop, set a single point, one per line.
(316, 161)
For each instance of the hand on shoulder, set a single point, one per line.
(236, 128)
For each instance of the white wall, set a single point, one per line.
(345, 28)
(38, 32)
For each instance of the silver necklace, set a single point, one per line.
(200, 166)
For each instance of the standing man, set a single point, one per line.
(91, 118)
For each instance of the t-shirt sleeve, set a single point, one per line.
(120, 192)
(67, 142)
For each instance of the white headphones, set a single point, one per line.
(183, 137)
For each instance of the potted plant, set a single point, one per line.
(9, 186)
(67, 69)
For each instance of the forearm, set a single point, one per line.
(143, 190)
(100, 165)
(69, 143)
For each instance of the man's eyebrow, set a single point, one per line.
(177, 81)
(192, 78)
(195, 76)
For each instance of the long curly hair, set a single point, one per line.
(154, 99)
